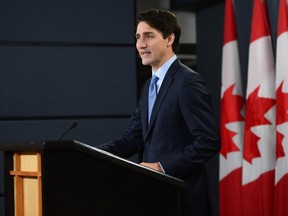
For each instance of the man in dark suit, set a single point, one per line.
(181, 133)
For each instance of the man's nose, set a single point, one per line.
(141, 43)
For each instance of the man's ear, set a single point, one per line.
(170, 39)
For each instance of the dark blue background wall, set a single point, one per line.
(63, 61)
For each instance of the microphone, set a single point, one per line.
(73, 125)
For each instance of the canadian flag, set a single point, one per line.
(260, 132)
(232, 120)
(281, 170)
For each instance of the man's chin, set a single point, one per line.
(146, 62)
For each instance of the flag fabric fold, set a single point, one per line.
(232, 120)
(281, 170)
(259, 135)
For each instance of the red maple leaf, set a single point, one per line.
(282, 116)
(256, 108)
(231, 106)
(279, 147)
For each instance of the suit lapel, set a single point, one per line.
(144, 108)
(160, 97)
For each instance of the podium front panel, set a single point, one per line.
(72, 178)
(94, 187)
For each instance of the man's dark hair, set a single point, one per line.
(163, 21)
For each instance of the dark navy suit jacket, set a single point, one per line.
(182, 135)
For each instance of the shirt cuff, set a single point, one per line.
(161, 167)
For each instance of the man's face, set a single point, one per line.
(153, 49)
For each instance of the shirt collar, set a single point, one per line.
(161, 72)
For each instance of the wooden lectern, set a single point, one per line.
(67, 178)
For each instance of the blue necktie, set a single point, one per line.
(152, 95)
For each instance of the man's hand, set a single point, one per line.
(155, 166)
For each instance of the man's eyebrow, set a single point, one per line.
(144, 33)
